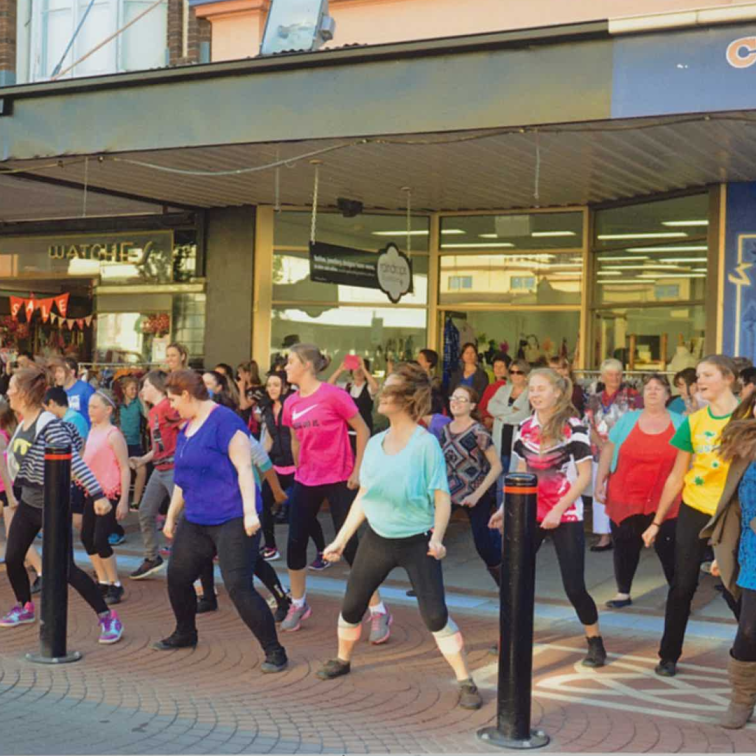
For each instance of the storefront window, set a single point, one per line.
(539, 278)
(658, 335)
(368, 232)
(534, 336)
(647, 255)
(339, 318)
(378, 333)
(532, 231)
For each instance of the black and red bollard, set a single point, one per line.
(56, 546)
(517, 598)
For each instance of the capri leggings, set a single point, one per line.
(569, 542)
(95, 529)
(304, 508)
(376, 557)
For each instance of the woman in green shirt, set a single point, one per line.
(700, 473)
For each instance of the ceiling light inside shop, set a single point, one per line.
(624, 257)
(119, 270)
(673, 224)
(643, 267)
(624, 282)
(444, 232)
(681, 259)
(609, 273)
(657, 235)
(471, 245)
(553, 233)
(673, 275)
(688, 248)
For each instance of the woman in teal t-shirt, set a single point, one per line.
(404, 496)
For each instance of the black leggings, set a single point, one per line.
(96, 529)
(569, 542)
(744, 647)
(689, 551)
(27, 522)
(304, 508)
(269, 524)
(628, 544)
(376, 557)
(193, 548)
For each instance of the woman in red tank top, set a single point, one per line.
(635, 464)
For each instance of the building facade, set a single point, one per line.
(583, 189)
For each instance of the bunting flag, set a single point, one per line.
(16, 305)
(88, 320)
(54, 318)
(45, 308)
(80, 323)
(30, 305)
(61, 302)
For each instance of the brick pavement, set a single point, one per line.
(400, 697)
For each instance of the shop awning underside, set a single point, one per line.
(552, 166)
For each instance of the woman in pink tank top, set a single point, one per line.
(107, 456)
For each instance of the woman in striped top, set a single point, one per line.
(26, 463)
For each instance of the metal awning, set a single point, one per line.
(574, 164)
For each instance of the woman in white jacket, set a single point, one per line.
(509, 406)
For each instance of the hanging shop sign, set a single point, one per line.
(388, 270)
(143, 255)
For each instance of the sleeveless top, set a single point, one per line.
(102, 460)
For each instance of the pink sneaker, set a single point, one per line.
(19, 615)
(380, 628)
(111, 628)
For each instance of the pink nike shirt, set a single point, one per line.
(320, 422)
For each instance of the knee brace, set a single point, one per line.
(449, 639)
(347, 631)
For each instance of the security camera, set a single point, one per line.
(349, 208)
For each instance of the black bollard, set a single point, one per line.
(517, 597)
(56, 545)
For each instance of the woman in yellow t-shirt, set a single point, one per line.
(700, 474)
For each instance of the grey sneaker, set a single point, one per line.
(380, 628)
(295, 616)
(469, 697)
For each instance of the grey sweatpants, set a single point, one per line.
(159, 486)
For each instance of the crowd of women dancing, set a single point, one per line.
(233, 457)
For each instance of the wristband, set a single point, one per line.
(658, 524)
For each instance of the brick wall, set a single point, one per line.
(199, 32)
(7, 41)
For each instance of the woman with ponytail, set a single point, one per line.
(26, 466)
(320, 415)
(107, 455)
(699, 473)
(404, 498)
(554, 445)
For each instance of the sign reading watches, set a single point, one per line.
(117, 252)
(389, 270)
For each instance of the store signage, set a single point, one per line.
(115, 252)
(388, 270)
(742, 52)
(693, 71)
(135, 255)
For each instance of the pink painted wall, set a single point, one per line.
(238, 24)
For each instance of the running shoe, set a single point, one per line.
(596, 656)
(116, 539)
(270, 555)
(114, 594)
(380, 628)
(295, 616)
(19, 615)
(469, 697)
(332, 669)
(36, 586)
(274, 662)
(148, 568)
(319, 564)
(282, 609)
(111, 628)
(166, 550)
(176, 641)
